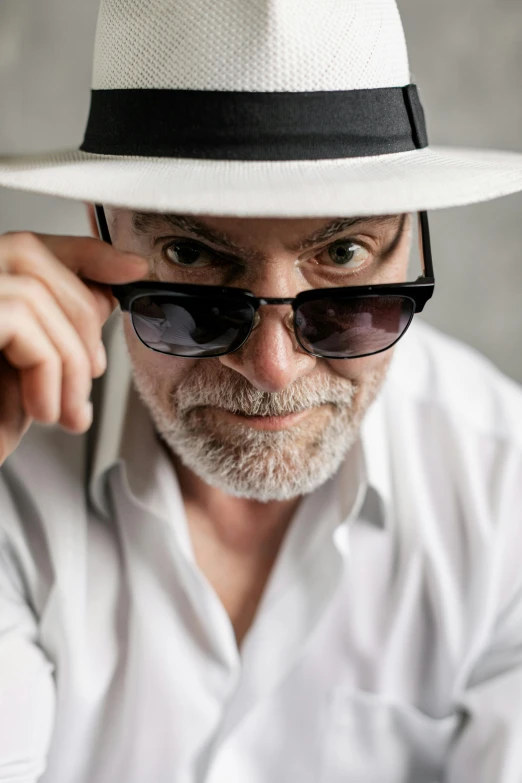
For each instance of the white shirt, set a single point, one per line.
(387, 647)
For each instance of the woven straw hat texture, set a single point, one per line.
(266, 46)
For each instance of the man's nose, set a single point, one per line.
(271, 359)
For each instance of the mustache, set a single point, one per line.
(207, 387)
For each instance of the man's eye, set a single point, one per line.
(347, 254)
(187, 254)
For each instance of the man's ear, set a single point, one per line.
(91, 214)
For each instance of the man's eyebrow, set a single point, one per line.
(340, 225)
(143, 222)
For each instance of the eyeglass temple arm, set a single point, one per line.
(101, 220)
(427, 259)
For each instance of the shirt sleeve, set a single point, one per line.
(27, 691)
(489, 745)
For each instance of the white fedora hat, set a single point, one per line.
(259, 108)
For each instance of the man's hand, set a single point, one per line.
(50, 327)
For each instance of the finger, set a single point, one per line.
(98, 264)
(96, 260)
(78, 368)
(51, 317)
(24, 254)
(14, 422)
(105, 301)
(77, 419)
(88, 259)
(28, 349)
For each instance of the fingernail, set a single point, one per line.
(101, 357)
(137, 259)
(88, 413)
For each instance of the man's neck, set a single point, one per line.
(236, 542)
(240, 524)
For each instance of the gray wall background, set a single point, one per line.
(466, 56)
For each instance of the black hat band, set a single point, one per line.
(255, 125)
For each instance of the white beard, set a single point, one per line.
(258, 464)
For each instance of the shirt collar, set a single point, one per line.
(123, 433)
(377, 505)
(110, 402)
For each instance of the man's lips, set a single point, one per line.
(266, 422)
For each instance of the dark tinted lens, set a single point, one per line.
(346, 328)
(191, 325)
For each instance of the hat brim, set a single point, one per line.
(426, 179)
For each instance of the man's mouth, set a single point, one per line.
(280, 422)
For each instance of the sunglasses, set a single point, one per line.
(203, 321)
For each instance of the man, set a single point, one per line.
(289, 549)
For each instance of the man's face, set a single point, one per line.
(269, 421)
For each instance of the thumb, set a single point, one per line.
(14, 421)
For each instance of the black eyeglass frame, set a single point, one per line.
(418, 291)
